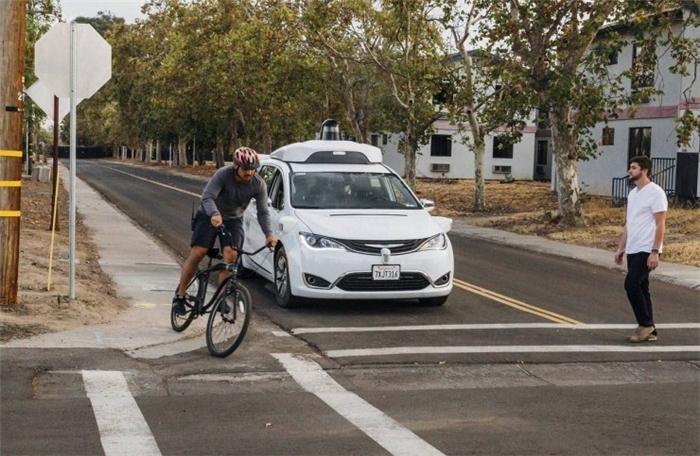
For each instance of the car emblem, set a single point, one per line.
(386, 255)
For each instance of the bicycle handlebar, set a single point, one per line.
(223, 232)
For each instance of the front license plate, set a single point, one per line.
(386, 272)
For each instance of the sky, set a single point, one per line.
(128, 9)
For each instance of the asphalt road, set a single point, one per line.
(504, 378)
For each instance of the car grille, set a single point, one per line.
(375, 247)
(362, 281)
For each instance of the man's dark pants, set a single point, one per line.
(637, 287)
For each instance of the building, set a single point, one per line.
(651, 131)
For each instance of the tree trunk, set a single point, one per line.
(565, 156)
(219, 152)
(149, 151)
(115, 151)
(158, 151)
(182, 150)
(267, 136)
(410, 150)
(479, 185)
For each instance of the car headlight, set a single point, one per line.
(438, 242)
(320, 242)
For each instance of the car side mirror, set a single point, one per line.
(428, 205)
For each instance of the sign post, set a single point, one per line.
(73, 61)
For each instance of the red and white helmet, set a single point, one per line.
(246, 158)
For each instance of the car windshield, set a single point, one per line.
(336, 190)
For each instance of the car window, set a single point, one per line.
(337, 190)
(268, 173)
(276, 191)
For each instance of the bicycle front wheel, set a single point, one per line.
(228, 321)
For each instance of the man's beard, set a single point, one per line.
(635, 178)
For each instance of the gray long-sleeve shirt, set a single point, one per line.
(226, 196)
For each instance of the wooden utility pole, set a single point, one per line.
(12, 31)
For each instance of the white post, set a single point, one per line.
(73, 120)
(194, 151)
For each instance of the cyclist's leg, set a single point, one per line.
(229, 244)
(203, 237)
(189, 267)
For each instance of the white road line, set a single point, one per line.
(123, 429)
(281, 334)
(446, 350)
(381, 428)
(155, 182)
(478, 326)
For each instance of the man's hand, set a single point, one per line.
(216, 220)
(618, 256)
(653, 261)
(271, 241)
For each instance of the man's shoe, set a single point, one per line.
(179, 305)
(644, 334)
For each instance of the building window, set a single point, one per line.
(608, 136)
(644, 60)
(640, 142)
(502, 148)
(441, 146)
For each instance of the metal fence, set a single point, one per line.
(663, 173)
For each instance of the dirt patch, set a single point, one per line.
(39, 311)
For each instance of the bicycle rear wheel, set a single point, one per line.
(228, 321)
(180, 322)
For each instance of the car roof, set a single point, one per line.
(324, 151)
(373, 168)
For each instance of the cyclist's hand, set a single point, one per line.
(271, 241)
(216, 221)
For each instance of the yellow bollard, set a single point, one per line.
(53, 231)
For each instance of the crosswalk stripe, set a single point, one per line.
(123, 429)
(446, 350)
(387, 432)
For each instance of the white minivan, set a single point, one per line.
(349, 228)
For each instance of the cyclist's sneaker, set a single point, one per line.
(225, 307)
(179, 305)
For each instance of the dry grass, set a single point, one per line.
(38, 310)
(531, 208)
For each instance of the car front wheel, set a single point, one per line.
(283, 289)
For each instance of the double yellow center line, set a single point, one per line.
(514, 303)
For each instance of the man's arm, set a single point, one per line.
(621, 246)
(653, 261)
(211, 191)
(263, 210)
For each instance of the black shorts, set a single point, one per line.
(204, 234)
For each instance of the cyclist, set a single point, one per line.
(225, 198)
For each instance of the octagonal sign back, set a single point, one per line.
(93, 60)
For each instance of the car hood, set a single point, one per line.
(377, 225)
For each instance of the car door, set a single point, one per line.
(277, 205)
(254, 237)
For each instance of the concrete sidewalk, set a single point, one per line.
(677, 274)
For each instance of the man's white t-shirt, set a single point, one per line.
(641, 223)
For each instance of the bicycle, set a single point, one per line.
(229, 308)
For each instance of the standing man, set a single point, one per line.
(224, 200)
(642, 240)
